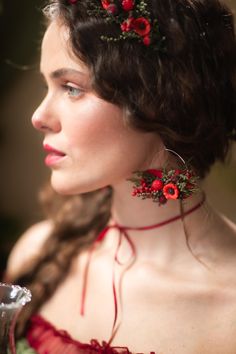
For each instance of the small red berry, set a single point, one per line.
(157, 185)
(128, 5)
(112, 9)
(189, 186)
(146, 40)
(177, 172)
(189, 174)
(162, 199)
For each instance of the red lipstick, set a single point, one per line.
(54, 156)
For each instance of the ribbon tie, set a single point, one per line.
(123, 234)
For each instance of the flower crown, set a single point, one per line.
(133, 18)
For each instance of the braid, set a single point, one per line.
(77, 221)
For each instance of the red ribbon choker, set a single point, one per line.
(123, 234)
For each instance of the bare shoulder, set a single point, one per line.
(27, 248)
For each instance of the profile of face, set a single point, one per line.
(88, 142)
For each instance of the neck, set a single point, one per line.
(167, 240)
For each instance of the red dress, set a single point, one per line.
(46, 339)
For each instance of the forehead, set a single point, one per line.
(56, 52)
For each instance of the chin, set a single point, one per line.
(66, 187)
(63, 186)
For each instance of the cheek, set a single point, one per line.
(97, 135)
(95, 126)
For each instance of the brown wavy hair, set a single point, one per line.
(185, 93)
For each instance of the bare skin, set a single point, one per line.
(173, 303)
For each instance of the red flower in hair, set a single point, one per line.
(127, 25)
(141, 26)
(105, 4)
(170, 191)
(73, 1)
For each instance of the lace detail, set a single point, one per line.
(46, 339)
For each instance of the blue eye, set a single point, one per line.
(72, 91)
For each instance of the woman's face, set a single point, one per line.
(87, 141)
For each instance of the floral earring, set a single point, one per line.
(162, 184)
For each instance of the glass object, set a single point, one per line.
(12, 299)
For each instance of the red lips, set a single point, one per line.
(49, 148)
(54, 156)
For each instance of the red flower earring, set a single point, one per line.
(163, 184)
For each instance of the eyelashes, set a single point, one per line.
(72, 91)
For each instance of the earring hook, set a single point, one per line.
(176, 154)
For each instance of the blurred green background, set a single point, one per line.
(21, 156)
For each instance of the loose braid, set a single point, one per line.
(77, 221)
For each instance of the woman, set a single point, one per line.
(140, 104)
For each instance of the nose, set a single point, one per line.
(45, 119)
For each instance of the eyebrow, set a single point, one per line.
(65, 71)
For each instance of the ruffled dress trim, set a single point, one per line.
(46, 339)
